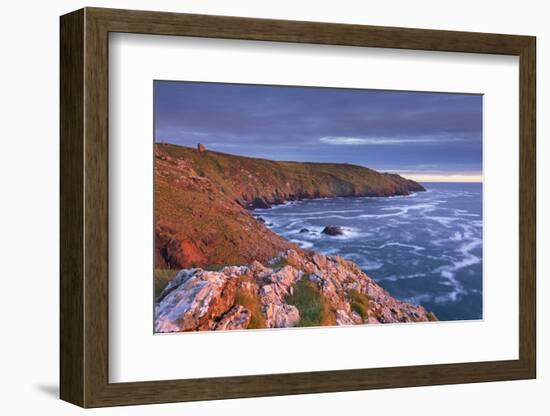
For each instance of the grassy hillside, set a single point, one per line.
(200, 201)
(259, 182)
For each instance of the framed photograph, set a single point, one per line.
(257, 207)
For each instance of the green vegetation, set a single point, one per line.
(251, 301)
(359, 303)
(279, 264)
(162, 277)
(313, 306)
(214, 267)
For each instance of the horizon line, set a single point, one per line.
(444, 178)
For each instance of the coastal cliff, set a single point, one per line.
(202, 200)
(293, 289)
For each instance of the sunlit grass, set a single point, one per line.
(359, 303)
(278, 264)
(313, 306)
(251, 301)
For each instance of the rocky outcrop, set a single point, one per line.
(198, 300)
(333, 230)
(237, 317)
(202, 197)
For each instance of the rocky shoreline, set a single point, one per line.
(293, 290)
(399, 187)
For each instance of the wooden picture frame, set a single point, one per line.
(84, 207)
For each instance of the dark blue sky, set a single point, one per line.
(427, 134)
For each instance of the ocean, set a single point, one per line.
(424, 248)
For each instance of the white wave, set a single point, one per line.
(408, 208)
(367, 198)
(464, 214)
(449, 297)
(351, 233)
(394, 278)
(331, 251)
(271, 222)
(275, 207)
(414, 247)
(418, 299)
(336, 214)
(302, 243)
(291, 225)
(396, 214)
(340, 217)
(311, 235)
(445, 221)
(407, 236)
(329, 212)
(466, 248)
(448, 272)
(457, 236)
(370, 265)
(403, 210)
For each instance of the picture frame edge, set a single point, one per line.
(84, 213)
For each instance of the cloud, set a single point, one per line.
(355, 141)
(346, 141)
